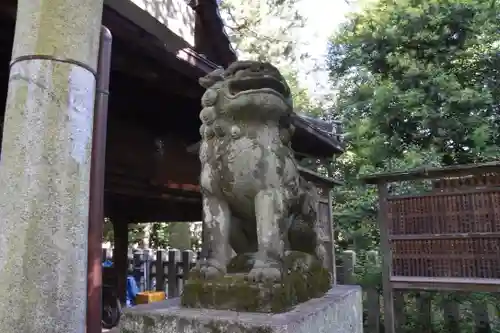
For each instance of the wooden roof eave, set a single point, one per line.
(330, 146)
(306, 173)
(158, 40)
(210, 24)
(168, 47)
(333, 146)
(432, 173)
(319, 179)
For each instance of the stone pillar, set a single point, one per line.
(45, 166)
(120, 255)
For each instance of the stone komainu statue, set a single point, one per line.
(254, 199)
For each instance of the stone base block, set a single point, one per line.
(303, 278)
(338, 311)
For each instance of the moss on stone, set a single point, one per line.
(161, 322)
(241, 263)
(303, 278)
(225, 293)
(124, 330)
(148, 322)
(263, 330)
(214, 327)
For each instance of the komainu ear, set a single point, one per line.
(211, 78)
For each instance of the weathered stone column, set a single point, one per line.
(45, 166)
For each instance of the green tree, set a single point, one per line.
(267, 30)
(263, 30)
(417, 84)
(423, 74)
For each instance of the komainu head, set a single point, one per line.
(246, 87)
(246, 92)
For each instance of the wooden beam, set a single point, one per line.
(137, 76)
(317, 178)
(140, 209)
(430, 173)
(333, 145)
(8, 9)
(306, 173)
(127, 59)
(120, 253)
(446, 284)
(149, 36)
(310, 134)
(132, 186)
(195, 148)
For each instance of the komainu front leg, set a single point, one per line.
(216, 221)
(270, 212)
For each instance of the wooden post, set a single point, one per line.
(332, 230)
(388, 294)
(147, 261)
(120, 255)
(151, 270)
(161, 257)
(139, 269)
(399, 309)
(451, 314)
(424, 309)
(373, 297)
(481, 318)
(348, 264)
(173, 273)
(187, 258)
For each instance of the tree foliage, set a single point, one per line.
(422, 73)
(417, 84)
(263, 29)
(267, 30)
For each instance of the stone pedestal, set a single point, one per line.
(303, 278)
(338, 311)
(45, 166)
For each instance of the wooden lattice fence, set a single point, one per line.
(444, 238)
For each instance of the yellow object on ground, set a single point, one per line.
(147, 297)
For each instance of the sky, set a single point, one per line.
(322, 18)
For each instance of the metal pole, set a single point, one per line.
(96, 206)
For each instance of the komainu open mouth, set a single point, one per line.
(251, 76)
(254, 83)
